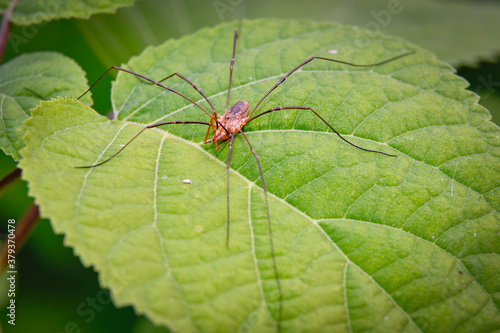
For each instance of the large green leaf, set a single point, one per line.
(28, 12)
(363, 241)
(26, 79)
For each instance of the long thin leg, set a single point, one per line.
(147, 79)
(212, 126)
(323, 120)
(214, 113)
(135, 137)
(224, 144)
(192, 84)
(275, 266)
(231, 68)
(321, 58)
(227, 191)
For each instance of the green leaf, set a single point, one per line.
(28, 12)
(26, 79)
(363, 241)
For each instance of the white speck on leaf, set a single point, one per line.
(187, 181)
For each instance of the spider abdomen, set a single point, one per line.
(232, 121)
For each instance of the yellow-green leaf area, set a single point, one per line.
(27, 79)
(28, 12)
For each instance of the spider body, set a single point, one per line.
(232, 121)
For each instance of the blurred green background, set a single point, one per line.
(54, 291)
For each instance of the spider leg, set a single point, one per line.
(231, 68)
(328, 59)
(275, 266)
(223, 145)
(192, 84)
(323, 120)
(210, 125)
(137, 135)
(147, 79)
(227, 178)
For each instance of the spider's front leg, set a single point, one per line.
(211, 125)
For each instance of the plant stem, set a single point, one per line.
(10, 178)
(5, 27)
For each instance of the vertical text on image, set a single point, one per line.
(11, 272)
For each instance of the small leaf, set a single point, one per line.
(28, 12)
(363, 241)
(26, 79)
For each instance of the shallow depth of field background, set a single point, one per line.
(55, 293)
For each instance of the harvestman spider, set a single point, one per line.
(226, 126)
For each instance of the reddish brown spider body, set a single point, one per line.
(232, 121)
